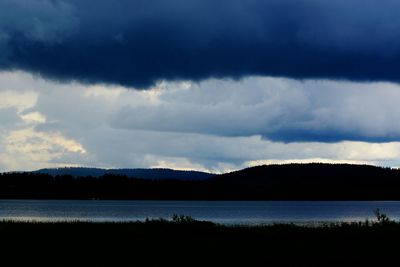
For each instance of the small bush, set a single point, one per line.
(381, 217)
(182, 219)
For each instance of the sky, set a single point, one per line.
(205, 85)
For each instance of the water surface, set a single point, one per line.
(228, 212)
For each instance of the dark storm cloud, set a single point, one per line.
(136, 43)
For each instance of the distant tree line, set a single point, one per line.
(273, 182)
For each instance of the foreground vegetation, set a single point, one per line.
(185, 242)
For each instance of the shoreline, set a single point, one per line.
(308, 224)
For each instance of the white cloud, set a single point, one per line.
(17, 100)
(33, 117)
(27, 149)
(21, 146)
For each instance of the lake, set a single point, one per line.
(226, 212)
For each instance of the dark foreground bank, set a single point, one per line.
(185, 242)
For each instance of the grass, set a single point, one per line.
(185, 241)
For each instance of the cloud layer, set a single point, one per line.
(137, 43)
(213, 125)
(277, 109)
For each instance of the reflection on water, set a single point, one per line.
(228, 212)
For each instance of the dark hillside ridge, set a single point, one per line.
(310, 173)
(155, 174)
(269, 182)
(314, 181)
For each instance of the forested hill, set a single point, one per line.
(269, 182)
(314, 173)
(313, 181)
(154, 174)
